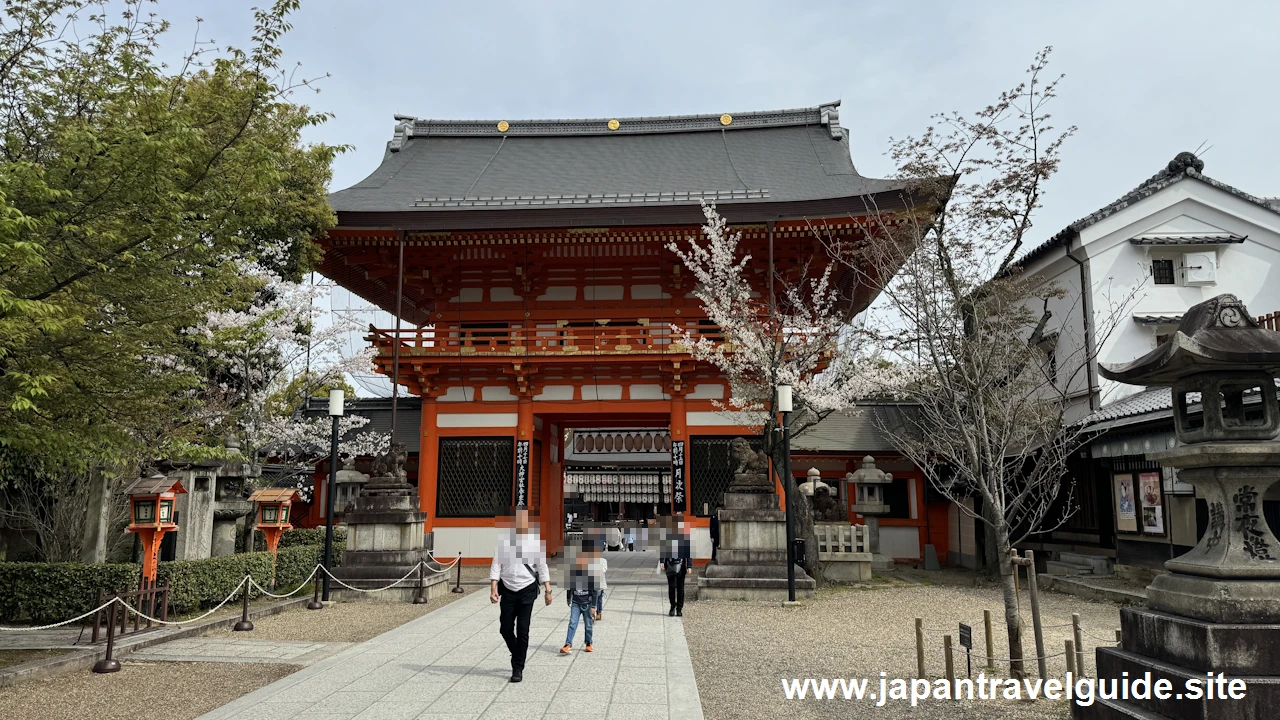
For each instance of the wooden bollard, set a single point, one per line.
(991, 647)
(1119, 637)
(1071, 656)
(1078, 634)
(919, 647)
(951, 668)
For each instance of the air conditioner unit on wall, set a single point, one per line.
(1200, 268)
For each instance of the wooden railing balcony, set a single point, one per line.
(543, 340)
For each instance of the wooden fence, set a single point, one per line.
(1270, 322)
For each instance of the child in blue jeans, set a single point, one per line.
(581, 595)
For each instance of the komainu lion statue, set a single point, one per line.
(751, 468)
(391, 464)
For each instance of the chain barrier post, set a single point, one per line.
(420, 598)
(920, 647)
(1070, 647)
(991, 648)
(951, 668)
(245, 624)
(315, 603)
(109, 664)
(458, 588)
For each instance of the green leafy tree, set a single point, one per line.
(131, 194)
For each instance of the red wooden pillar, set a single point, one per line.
(428, 461)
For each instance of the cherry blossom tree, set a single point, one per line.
(800, 335)
(995, 377)
(266, 360)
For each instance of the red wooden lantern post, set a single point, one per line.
(151, 516)
(273, 517)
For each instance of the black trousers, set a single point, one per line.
(675, 588)
(516, 609)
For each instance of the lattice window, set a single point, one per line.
(476, 476)
(711, 469)
(1162, 271)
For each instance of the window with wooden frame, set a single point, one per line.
(1162, 271)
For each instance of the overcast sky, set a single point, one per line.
(1144, 80)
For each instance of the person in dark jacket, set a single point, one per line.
(674, 560)
(715, 532)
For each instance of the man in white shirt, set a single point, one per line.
(519, 566)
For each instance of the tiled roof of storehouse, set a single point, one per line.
(755, 157)
(1184, 165)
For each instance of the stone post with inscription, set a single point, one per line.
(1217, 610)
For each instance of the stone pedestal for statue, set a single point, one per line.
(385, 539)
(751, 563)
(1218, 609)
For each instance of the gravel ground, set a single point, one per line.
(174, 691)
(340, 622)
(741, 650)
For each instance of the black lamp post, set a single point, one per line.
(784, 406)
(335, 412)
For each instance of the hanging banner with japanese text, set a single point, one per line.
(522, 473)
(677, 476)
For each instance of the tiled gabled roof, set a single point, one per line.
(1184, 165)
(777, 156)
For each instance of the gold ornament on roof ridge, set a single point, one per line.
(503, 126)
(725, 119)
(614, 124)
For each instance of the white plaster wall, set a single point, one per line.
(602, 292)
(648, 392)
(707, 391)
(489, 393)
(555, 392)
(601, 392)
(476, 420)
(648, 292)
(470, 541)
(1120, 271)
(559, 293)
(458, 393)
(900, 542)
(700, 542)
(726, 417)
(503, 294)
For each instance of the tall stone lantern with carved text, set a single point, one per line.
(1217, 610)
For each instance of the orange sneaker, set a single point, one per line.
(565, 650)
(588, 649)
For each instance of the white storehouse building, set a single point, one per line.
(1174, 241)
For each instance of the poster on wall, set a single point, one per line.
(1126, 514)
(1152, 505)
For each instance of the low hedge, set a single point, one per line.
(41, 593)
(310, 536)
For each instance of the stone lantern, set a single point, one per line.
(869, 502)
(1218, 609)
(151, 501)
(349, 482)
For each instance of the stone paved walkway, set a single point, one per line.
(240, 650)
(453, 664)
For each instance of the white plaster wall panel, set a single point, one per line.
(648, 392)
(707, 391)
(648, 292)
(554, 392)
(490, 393)
(504, 294)
(458, 393)
(703, 417)
(602, 292)
(469, 295)
(900, 542)
(476, 420)
(470, 541)
(559, 293)
(700, 542)
(601, 392)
